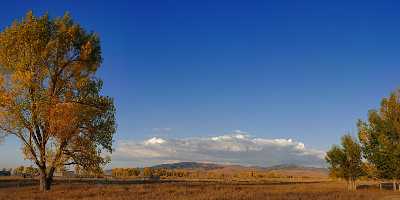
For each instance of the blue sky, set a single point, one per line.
(305, 70)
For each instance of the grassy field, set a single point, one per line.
(174, 190)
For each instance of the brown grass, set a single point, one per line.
(193, 190)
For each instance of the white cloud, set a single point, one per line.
(154, 141)
(236, 148)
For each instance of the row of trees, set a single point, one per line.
(125, 172)
(21, 171)
(376, 153)
(148, 171)
(195, 174)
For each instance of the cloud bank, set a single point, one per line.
(235, 148)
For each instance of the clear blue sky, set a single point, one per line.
(305, 70)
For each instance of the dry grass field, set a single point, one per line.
(23, 190)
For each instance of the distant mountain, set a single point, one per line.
(213, 166)
(189, 165)
(284, 169)
(298, 170)
(292, 167)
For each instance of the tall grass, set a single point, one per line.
(195, 191)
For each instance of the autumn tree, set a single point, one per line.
(147, 171)
(19, 171)
(31, 171)
(380, 138)
(50, 97)
(125, 172)
(133, 172)
(345, 161)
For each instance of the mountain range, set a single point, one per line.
(286, 169)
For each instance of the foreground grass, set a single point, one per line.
(196, 191)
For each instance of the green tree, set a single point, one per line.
(50, 97)
(380, 138)
(345, 161)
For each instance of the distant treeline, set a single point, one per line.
(196, 174)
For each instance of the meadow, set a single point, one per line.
(100, 189)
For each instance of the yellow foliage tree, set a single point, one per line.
(49, 96)
(147, 171)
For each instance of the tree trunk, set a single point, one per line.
(348, 185)
(44, 182)
(351, 188)
(46, 179)
(352, 184)
(394, 185)
(355, 185)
